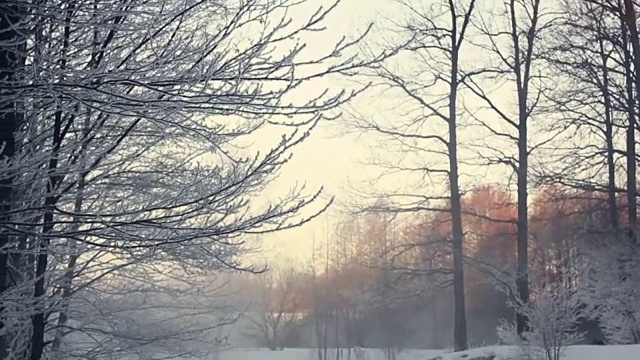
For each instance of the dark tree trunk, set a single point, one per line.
(632, 192)
(522, 276)
(608, 132)
(522, 71)
(10, 60)
(38, 319)
(460, 316)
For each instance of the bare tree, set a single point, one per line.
(10, 120)
(276, 308)
(592, 145)
(437, 33)
(513, 40)
(108, 94)
(607, 108)
(631, 24)
(159, 311)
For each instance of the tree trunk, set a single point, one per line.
(522, 276)
(460, 316)
(10, 60)
(630, 19)
(611, 166)
(522, 71)
(67, 280)
(38, 319)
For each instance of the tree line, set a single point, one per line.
(533, 94)
(542, 98)
(384, 281)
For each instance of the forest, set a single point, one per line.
(140, 141)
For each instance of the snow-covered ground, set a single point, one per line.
(311, 354)
(581, 352)
(502, 353)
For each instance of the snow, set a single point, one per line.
(583, 352)
(580, 352)
(311, 354)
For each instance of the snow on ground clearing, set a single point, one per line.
(626, 352)
(581, 352)
(311, 354)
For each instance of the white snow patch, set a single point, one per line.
(311, 354)
(583, 352)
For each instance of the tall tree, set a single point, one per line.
(511, 35)
(11, 59)
(631, 23)
(436, 33)
(588, 98)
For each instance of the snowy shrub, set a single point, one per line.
(613, 294)
(360, 354)
(553, 313)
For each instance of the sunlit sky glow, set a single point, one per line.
(333, 159)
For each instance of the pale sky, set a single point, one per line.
(328, 158)
(334, 160)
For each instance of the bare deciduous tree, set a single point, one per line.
(276, 308)
(513, 41)
(130, 122)
(436, 33)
